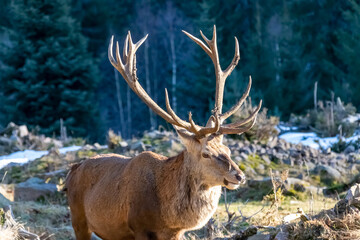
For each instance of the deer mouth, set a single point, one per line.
(231, 185)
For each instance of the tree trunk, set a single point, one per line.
(120, 104)
(173, 71)
(128, 103)
(147, 80)
(155, 81)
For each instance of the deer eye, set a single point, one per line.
(205, 155)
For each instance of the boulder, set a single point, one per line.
(260, 237)
(138, 146)
(282, 236)
(272, 143)
(32, 189)
(23, 131)
(353, 196)
(349, 149)
(328, 172)
(297, 184)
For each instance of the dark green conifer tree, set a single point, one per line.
(48, 73)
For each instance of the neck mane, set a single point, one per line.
(191, 201)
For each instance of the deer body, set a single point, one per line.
(151, 196)
(167, 198)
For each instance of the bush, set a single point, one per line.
(341, 145)
(328, 119)
(265, 127)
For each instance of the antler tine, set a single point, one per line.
(128, 71)
(125, 49)
(226, 130)
(235, 60)
(246, 120)
(212, 51)
(198, 42)
(179, 121)
(118, 58)
(209, 130)
(110, 53)
(239, 103)
(193, 125)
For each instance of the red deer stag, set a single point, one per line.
(151, 196)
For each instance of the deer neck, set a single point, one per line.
(187, 193)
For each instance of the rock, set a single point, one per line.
(327, 171)
(272, 143)
(97, 146)
(246, 150)
(138, 146)
(266, 159)
(260, 169)
(244, 156)
(5, 141)
(349, 149)
(32, 189)
(353, 196)
(313, 152)
(282, 236)
(123, 144)
(260, 237)
(262, 150)
(9, 129)
(353, 169)
(23, 131)
(296, 183)
(87, 147)
(4, 201)
(155, 134)
(294, 153)
(327, 151)
(310, 165)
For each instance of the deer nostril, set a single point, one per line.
(240, 178)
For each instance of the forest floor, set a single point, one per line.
(253, 204)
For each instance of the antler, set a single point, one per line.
(212, 51)
(128, 71)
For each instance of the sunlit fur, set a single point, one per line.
(150, 196)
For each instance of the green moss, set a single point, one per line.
(146, 140)
(86, 154)
(75, 141)
(242, 167)
(2, 217)
(255, 160)
(296, 194)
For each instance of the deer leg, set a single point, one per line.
(169, 236)
(81, 229)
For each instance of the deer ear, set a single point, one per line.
(186, 137)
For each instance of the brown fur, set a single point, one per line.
(149, 196)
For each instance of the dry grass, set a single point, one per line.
(9, 233)
(51, 222)
(327, 226)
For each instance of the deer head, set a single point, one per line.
(203, 143)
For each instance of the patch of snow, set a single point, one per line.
(25, 156)
(352, 118)
(312, 140)
(283, 128)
